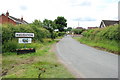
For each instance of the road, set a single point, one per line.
(85, 61)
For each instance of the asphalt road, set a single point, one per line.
(87, 62)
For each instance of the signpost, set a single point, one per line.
(25, 38)
(24, 35)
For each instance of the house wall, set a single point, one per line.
(4, 19)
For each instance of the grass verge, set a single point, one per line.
(42, 64)
(107, 45)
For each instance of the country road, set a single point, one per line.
(85, 61)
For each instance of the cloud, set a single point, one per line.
(85, 3)
(88, 12)
(85, 19)
(81, 3)
(23, 7)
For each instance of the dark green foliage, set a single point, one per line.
(61, 33)
(9, 41)
(107, 38)
(61, 23)
(9, 46)
(69, 28)
(78, 31)
(111, 33)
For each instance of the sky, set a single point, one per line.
(79, 13)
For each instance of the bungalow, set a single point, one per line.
(6, 18)
(92, 27)
(79, 28)
(105, 23)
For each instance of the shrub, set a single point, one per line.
(61, 33)
(78, 31)
(111, 33)
(9, 46)
(8, 34)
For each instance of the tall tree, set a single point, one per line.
(69, 28)
(37, 23)
(61, 23)
(49, 25)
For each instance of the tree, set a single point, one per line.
(61, 23)
(49, 25)
(69, 28)
(78, 31)
(37, 23)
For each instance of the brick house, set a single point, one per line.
(6, 18)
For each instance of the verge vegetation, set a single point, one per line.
(42, 64)
(107, 38)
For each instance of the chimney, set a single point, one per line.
(7, 13)
(22, 18)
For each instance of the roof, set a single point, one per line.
(92, 27)
(110, 22)
(18, 21)
(79, 28)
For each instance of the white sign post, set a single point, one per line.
(25, 40)
(24, 37)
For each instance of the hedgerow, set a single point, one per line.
(107, 38)
(10, 42)
(110, 33)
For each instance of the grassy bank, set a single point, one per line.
(42, 64)
(106, 45)
(107, 38)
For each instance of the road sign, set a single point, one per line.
(25, 40)
(22, 35)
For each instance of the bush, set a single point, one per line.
(9, 46)
(110, 33)
(61, 33)
(78, 31)
(9, 41)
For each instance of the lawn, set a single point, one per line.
(41, 64)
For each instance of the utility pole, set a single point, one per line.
(78, 23)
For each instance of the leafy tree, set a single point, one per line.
(78, 31)
(49, 25)
(69, 28)
(37, 23)
(61, 23)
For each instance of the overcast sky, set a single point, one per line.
(88, 13)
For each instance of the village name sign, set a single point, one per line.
(24, 37)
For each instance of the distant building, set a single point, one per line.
(6, 18)
(105, 23)
(92, 27)
(78, 28)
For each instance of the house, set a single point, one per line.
(105, 23)
(92, 27)
(6, 18)
(79, 28)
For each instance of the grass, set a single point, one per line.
(107, 45)
(42, 64)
